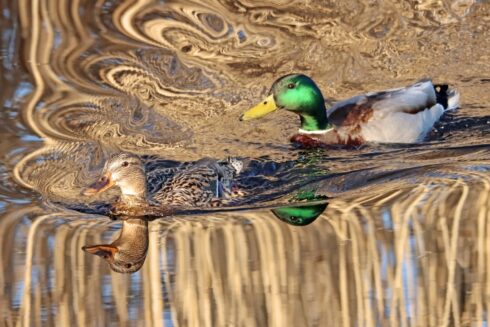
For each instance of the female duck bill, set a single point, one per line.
(103, 183)
(105, 251)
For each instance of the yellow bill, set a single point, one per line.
(265, 107)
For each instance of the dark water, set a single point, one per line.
(403, 241)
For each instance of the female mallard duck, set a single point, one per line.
(203, 184)
(403, 115)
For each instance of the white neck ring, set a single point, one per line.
(302, 131)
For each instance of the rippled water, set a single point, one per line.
(404, 238)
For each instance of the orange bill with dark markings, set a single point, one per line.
(103, 183)
(105, 251)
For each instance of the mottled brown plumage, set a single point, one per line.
(205, 183)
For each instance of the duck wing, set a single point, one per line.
(359, 109)
(193, 187)
(195, 184)
(159, 171)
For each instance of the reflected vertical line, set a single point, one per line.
(423, 286)
(376, 269)
(478, 296)
(154, 269)
(62, 298)
(451, 296)
(356, 238)
(166, 274)
(344, 292)
(235, 279)
(201, 273)
(146, 286)
(25, 311)
(78, 240)
(401, 237)
(8, 225)
(272, 275)
(486, 280)
(410, 255)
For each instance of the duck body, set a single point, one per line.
(153, 190)
(206, 183)
(402, 115)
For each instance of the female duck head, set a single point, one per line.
(125, 171)
(128, 252)
(299, 94)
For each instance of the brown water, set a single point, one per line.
(404, 239)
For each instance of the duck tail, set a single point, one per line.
(447, 97)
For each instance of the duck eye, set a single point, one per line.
(128, 265)
(294, 218)
(291, 86)
(125, 164)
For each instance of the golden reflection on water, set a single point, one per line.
(83, 79)
(412, 258)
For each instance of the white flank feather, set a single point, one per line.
(400, 127)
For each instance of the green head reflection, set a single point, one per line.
(302, 214)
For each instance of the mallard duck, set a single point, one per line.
(205, 183)
(403, 115)
(128, 252)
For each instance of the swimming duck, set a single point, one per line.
(403, 115)
(128, 252)
(205, 183)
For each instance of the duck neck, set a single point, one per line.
(134, 190)
(315, 120)
(133, 236)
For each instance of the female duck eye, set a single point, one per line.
(291, 86)
(128, 265)
(125, 164)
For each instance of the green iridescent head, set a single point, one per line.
(296, 93)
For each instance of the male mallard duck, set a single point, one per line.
(403, 115)
(203, 184)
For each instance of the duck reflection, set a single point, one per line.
(301, 215)
(128, 252)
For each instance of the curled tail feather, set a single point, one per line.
(447, 97)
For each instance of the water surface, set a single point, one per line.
(404, 239)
